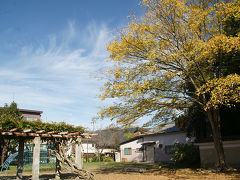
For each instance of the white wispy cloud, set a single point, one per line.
(54, 76)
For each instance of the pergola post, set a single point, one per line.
(58, 166)
(36, 158)
(20, 158)
(78, 153)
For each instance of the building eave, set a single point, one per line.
(32, 111)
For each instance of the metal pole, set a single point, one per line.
(87, 151)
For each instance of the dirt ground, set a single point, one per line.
(178, 174)
(143, 171)
(186, 174)
(137, 171)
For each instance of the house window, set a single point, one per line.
(138, 150)
(169, 149)
(127, 151)
(30, 118)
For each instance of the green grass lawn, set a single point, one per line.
(29, 168)
(118, 167)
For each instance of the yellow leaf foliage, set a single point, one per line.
(172, 56)
(222, 91)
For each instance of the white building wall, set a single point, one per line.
(117, 157)
(104, 151)
(136, 155)
(164, 140)
(161, 140)
(89, 148)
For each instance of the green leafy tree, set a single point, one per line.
(177, 54)
(10, 118)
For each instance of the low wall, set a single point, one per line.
(231, 150)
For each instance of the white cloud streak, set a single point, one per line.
(55, 76)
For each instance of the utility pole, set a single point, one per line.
(87, 151)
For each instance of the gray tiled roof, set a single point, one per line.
(168, 128)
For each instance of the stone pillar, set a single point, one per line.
(78, 153)
(20, 158)
(36, 158)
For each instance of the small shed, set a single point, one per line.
(154, 146)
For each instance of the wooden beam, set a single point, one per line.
(7, 133)
(40, 131)
(28, 130)
(67, 136)
(52, 132)
(20, 134)
(57, 136)
(14, 129)
(33, 134)
(74, 134)
(89, 134)
(63, 133)
(45, 135)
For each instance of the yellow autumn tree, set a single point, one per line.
(177, 54)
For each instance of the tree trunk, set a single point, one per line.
(4, 150)
(214, 118)
(69, 165)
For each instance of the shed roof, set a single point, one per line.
(168, 128)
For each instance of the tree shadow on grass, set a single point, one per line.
(126, 168)
(160, 168)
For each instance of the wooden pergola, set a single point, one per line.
(37, 136)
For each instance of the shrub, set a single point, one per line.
(185, 155)
(90, 159)
(95, 158)
(108, 159)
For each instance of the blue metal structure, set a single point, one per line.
(46, 157)
(10, 159)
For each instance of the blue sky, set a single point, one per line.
(50, 51)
